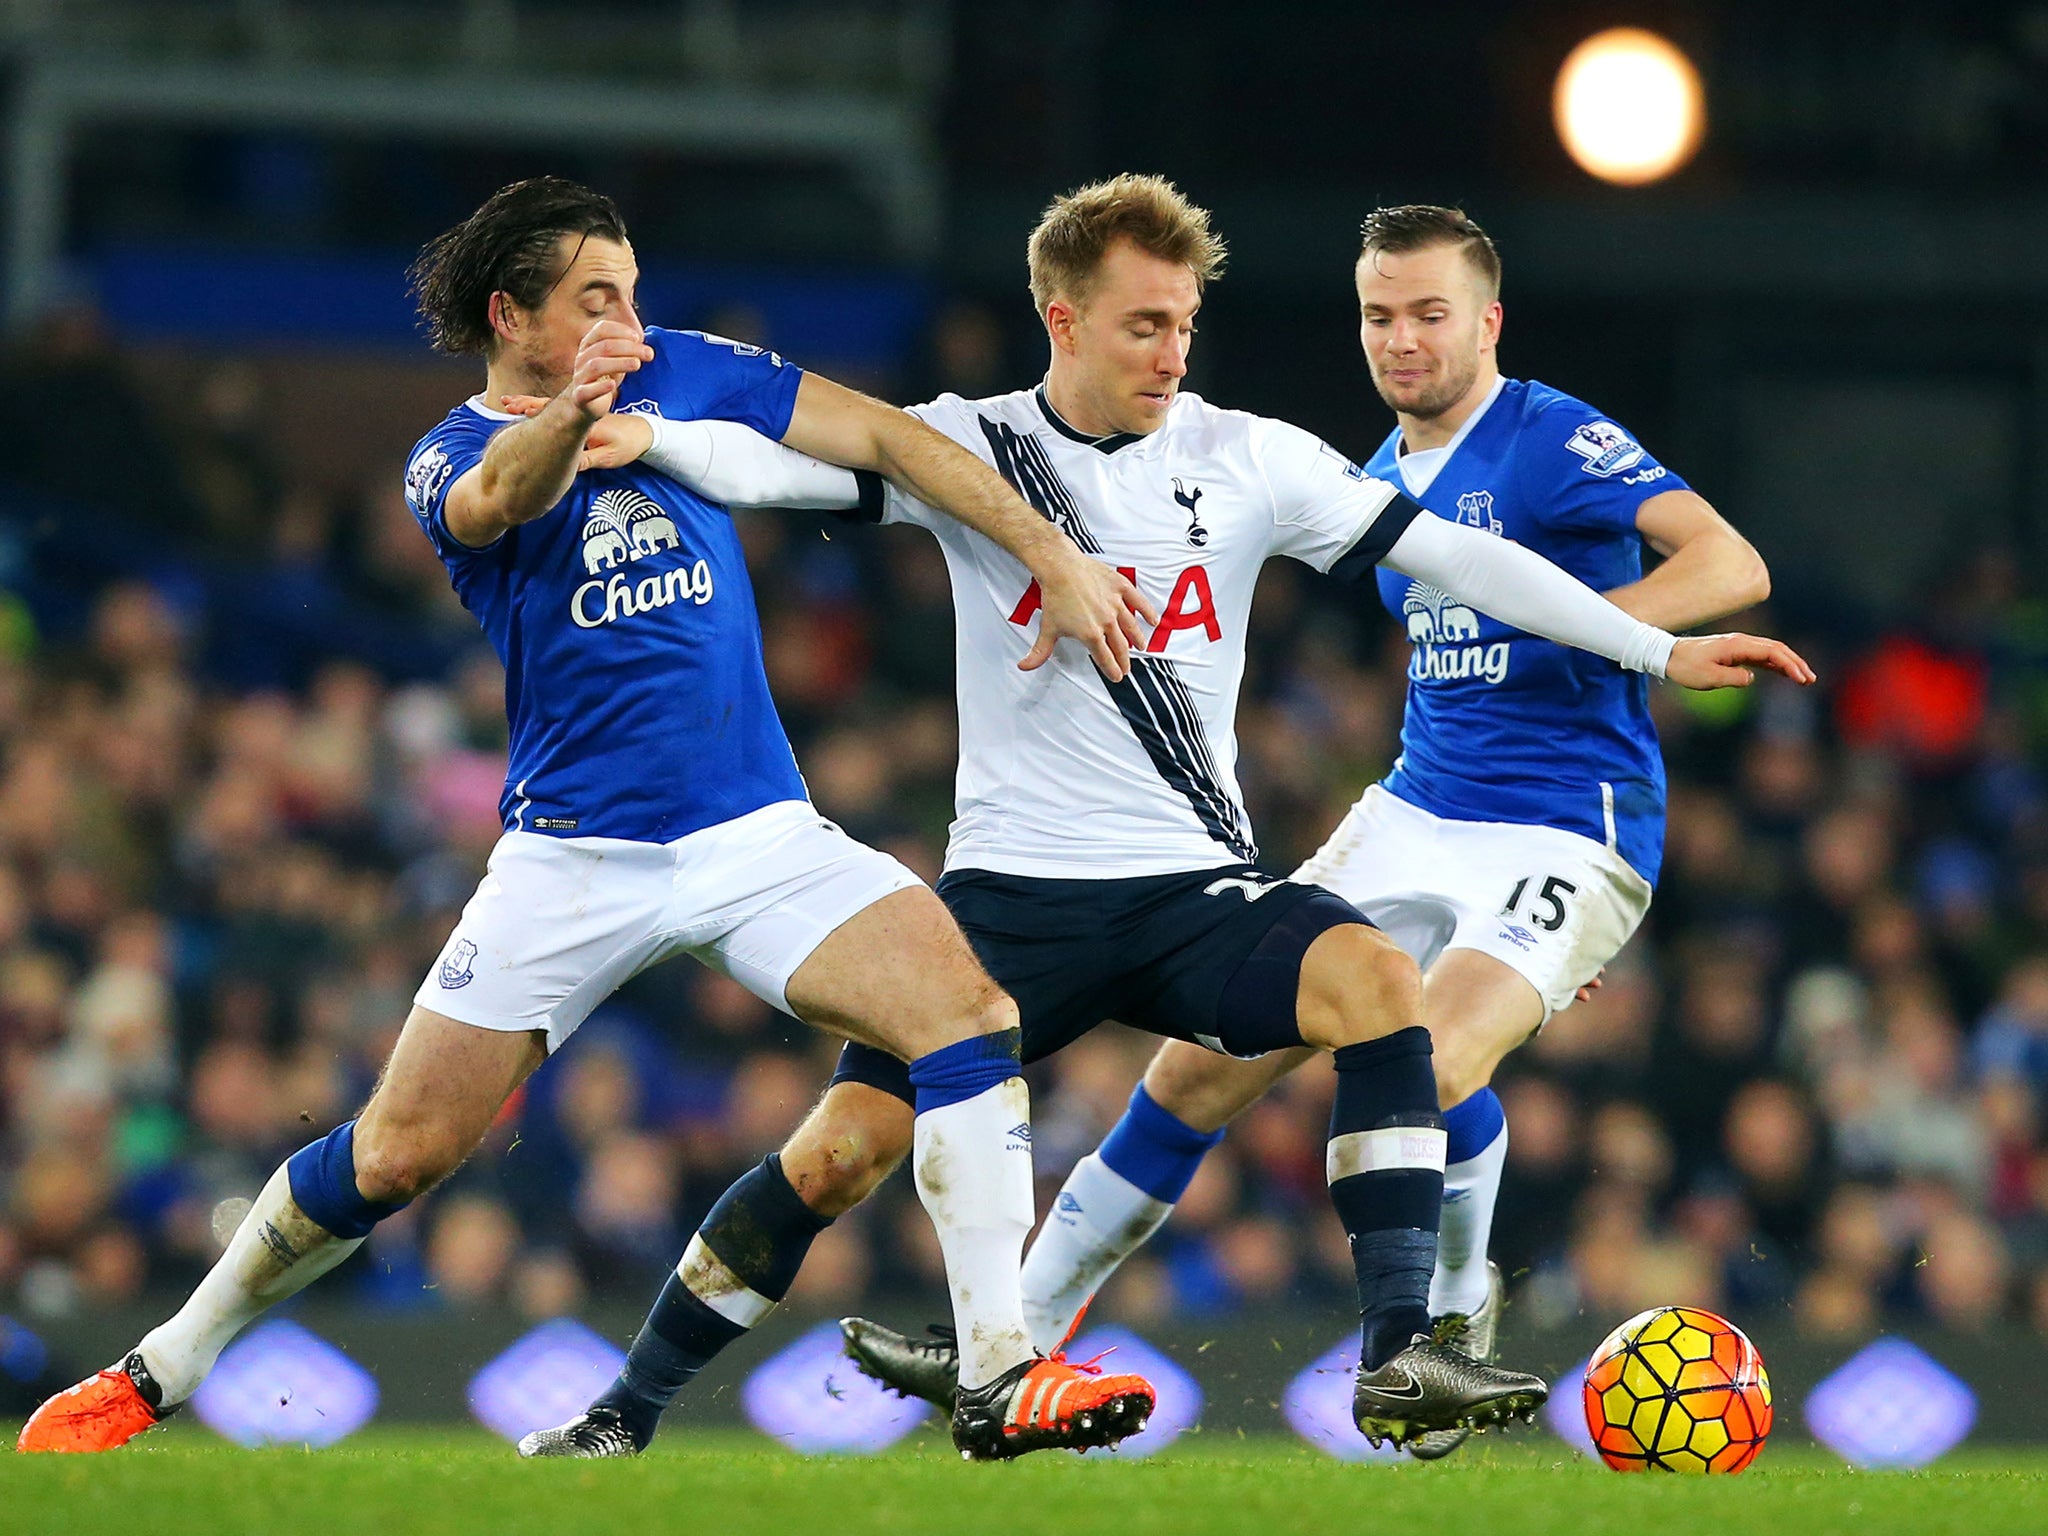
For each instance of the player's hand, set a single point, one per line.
(1093, 603)
(613, 443)
(611, 349)
(1585, 993)
(1730, 661)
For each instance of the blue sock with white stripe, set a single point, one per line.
(1386, 1169)
(740, 1263)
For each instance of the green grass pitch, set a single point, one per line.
(390, 1481)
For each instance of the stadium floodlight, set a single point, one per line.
(1891, 1405)
(1629, 106)
(282, 1384)
(810, 1397)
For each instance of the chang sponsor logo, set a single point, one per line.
(1445, 634)
(597, 603)
(624, 526)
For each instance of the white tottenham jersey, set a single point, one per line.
(1063, 773)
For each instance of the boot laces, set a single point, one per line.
(1092, 1366)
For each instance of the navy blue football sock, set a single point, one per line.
(741, 1262)
(323, 1183)
(1386, 1168)
(1153, 1149)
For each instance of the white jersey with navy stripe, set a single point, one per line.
(1061, 772)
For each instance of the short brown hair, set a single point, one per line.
(1422, 226)
(1149, 211)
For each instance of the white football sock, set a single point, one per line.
(1471, 1189)
(974, 1176)
(1099, 1220)
(277, 1251)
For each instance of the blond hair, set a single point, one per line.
(1078, 229)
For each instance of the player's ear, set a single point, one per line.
(1060, 317)
(505, 315)
(1490, 322)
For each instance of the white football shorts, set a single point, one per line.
(559, 923)
(1550, 904)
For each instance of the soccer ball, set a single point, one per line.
(1678, 1389)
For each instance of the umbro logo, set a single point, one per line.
(1069, 1204)
(1021, 1132)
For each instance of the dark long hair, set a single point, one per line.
(507, 246)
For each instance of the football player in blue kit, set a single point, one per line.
(653, 808)
(1513, 848)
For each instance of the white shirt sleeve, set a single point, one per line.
(737, 467)
(1518, 586)
(1325, 508)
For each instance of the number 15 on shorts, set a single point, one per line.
(1547, 907)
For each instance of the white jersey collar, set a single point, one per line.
(1420, 468)
(476, 403)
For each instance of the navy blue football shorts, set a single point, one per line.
(1212, 957)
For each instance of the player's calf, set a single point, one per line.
(741, 1263)
(315, 1211)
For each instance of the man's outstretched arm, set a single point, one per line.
(1520, 587)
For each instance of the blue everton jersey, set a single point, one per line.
(633, 674)
(1501, 726)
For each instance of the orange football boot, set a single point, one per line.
(1046, 1403)
(100, 1413)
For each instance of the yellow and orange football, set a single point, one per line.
(1678, 1389)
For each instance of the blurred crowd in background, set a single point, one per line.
(233, 837)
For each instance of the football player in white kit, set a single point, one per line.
(1513, 847)
(1101, 858)
(653, 808)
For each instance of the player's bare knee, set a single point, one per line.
(972, 1006)
(848, 1146)
(991, 1009)
(394, 1168)
(1356, 985)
